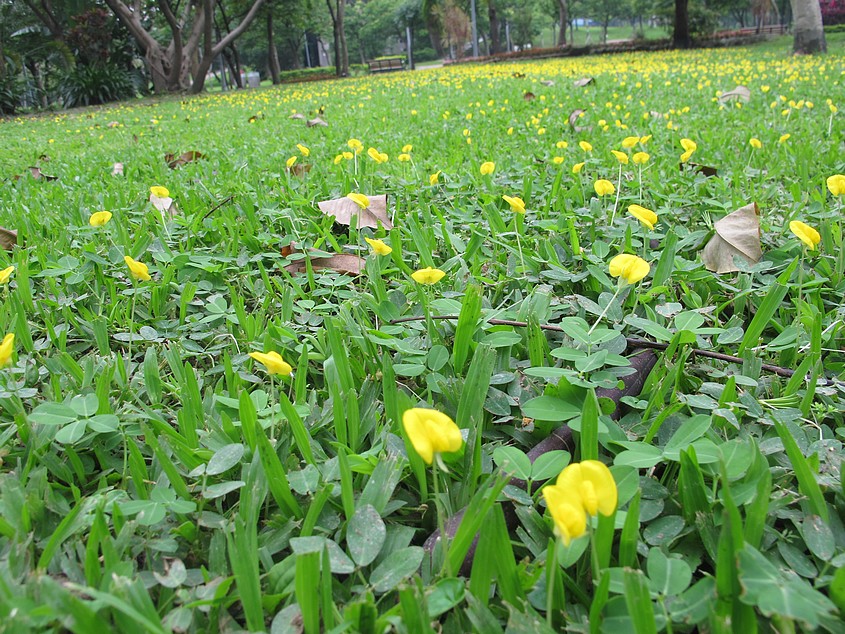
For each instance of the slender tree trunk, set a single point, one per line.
(680, 36)
(435, 34)
(563, 18)
(493, 15)
(272, 52)
(807, 26)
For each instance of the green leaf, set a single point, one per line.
(667, 576)
(365, 535)
(85, 405)
(71, 433)
(551, 408)
(53, 414)
(639, 602)
(512, 460)
(397, 566)
(807, 483)
(549, 465)
(773, 593)
(224, 459)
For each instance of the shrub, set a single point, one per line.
(93, 85)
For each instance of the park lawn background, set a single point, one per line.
(155, 478)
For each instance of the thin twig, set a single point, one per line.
(632, 343)
(225, 201)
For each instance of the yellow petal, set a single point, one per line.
(645, 216)
(379, 247)
(630, 268)
(487, 168)
(99, 218)
(567, 511)
(159, 192)
(593, 483)
(273, 362)
(604, 187)
(5, 274)
(809, 236)
(431, 432)
(428, 275)
(516, 203)
(836, 184)
(689, 145)
(138, 270)
(584, 145)
(620, 156)
(6, 348)
(359, 199)
(640, 158)
(630, 141)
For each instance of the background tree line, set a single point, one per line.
(78, 52)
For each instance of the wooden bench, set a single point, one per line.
(386, 65)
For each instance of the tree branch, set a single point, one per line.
(236, 32)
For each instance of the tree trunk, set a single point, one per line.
(341, 56)
(435, 34)
(807, 26)
(680, 35)
(272, 52)
(563, 17)
(493, 15)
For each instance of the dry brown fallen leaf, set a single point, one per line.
(573, 119)
(37, 174)
(316, 121)
(340, 262)
(8, 238)
(256, 117)
(584, 81)
(737, 234)
(701, 169)
(300, 169)
(297, 115)
(547, 82)
(117, 169)
(528, 96)
(343, 209)
(740, 92)
(174, 161)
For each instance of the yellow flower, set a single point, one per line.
(783, 138)
(755, 143)
(5, 274)
(487, 168)
(561, 145)
(805, 233)
(592, 481)
(620, 156)
(404, 157)
(428, 275)
(347, 155)
(379, 247)
(630, 141)
(604, 187)
(645, 139)
(159, 192)
(305, 151)
(557, 160)
(434, 178)
(644, 215)
(338, 159)
(640, 158)
(576, 169)
(273, 362)
(359, 199)
(290, 162)
(630, 268)
(836, 184)
(378, 157)
(407, 148)
(585, 146)
(355, 145)
(510, 131)
(689, 147)
(99, 218)
(567, 511)
(6, 349)
(138, 270)
(431, 432)
(516, 203)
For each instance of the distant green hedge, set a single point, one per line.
(320, 72)
(834, 28)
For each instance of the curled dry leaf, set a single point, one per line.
(340, 262)
(300, 169)
(117, 169)
(584, 81)
(528, 96)
(174, 161)
(256, 117)
(343, 210)
(8, 238)
(112, 124)
(297, 115)
(737, 234)
(701, 169)
(547, 82)
(316, 121)
(740, 92)
(37, 174)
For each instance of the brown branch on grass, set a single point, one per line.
(632, 343)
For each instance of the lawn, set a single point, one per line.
(162, 470)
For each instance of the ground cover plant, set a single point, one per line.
(210, 422)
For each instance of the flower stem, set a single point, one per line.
(518, 225)
(604, 311)
(131, 327)
(551, 575)
(618, 191)
(441, 526)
